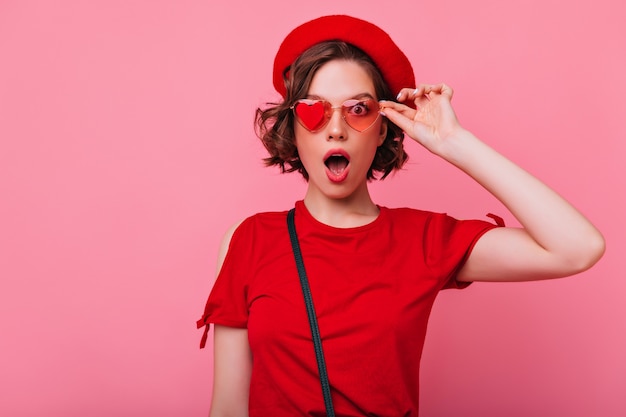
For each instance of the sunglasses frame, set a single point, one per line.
(329, 109)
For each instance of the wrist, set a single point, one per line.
(458, 147)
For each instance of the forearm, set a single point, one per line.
(232, 367)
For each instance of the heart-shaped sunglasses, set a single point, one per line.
(359, 114)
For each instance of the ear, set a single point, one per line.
(383, 132)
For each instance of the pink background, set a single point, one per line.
(127, 149)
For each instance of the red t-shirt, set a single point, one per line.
(373, 287)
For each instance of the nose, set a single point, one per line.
(336, 128)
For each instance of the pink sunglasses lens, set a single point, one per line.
(360, 114)
(311, 114)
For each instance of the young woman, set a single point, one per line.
(349, 94)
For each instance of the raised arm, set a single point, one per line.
(232, 362)
(555, 240)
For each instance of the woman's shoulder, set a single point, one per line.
(427, 217)
(261, 222)
(411, 214)
(246, 229)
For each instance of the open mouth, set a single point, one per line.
(337, 163)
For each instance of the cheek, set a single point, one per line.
(301, 136)
(364, 156)
(304, 143)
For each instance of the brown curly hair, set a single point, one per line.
(274, 124)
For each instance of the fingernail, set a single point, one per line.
(399, 95)
(382, 113)
(415, 91)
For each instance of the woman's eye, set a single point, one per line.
(359, 109)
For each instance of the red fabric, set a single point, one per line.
(393, 64)
(373, 288)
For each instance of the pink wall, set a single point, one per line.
(126, 149)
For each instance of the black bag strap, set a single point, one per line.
(306, 291)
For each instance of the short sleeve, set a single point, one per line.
(448, 243)
(227, 303)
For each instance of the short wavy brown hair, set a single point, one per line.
(275, 124)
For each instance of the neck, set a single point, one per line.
(355, 210)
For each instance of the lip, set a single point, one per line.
(337, 178)
(337, 151)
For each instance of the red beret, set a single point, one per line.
(391, 61)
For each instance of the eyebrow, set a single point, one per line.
(355, 97)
